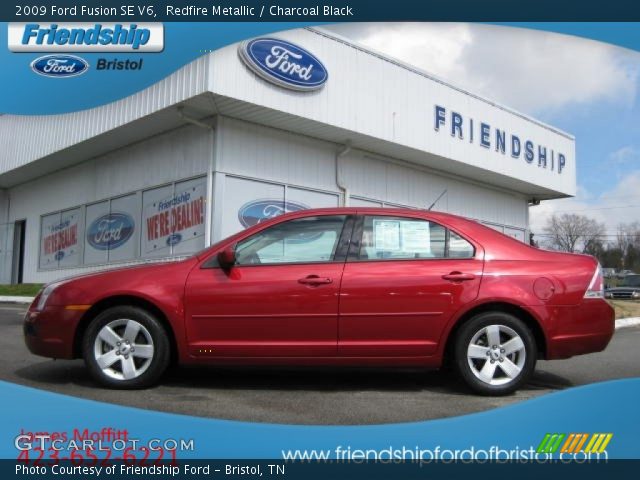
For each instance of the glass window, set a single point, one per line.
(401, 238)
(303, 240)
(124, 228)
(173, 220)
(459, 247)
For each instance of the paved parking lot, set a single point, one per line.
(307, 396)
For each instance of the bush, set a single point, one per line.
(21, 290)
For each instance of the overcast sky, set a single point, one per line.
(586, 88)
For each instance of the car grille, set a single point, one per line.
(621, 295)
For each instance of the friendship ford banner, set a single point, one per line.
(171, 221)
(155, 324)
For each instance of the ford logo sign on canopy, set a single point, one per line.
(59, 66)
(283, 64)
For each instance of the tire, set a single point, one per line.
(494, 371)
(126, 347)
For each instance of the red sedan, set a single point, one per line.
(344, 286)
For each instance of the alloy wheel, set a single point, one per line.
(123, 349)
(496, 354)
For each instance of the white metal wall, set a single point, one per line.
(27, 138)
(385, 100)
(385, 180)
(182, 153)
(255, 151)
(259, 152)
(6, 239)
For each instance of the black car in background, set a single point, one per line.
(629, 289)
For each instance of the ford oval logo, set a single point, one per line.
(283, 63)
(258, 211)
(110, 231)
(59, 66)
(174, 239)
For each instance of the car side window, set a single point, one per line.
(459, 247)
(302, 240)
(399, 238)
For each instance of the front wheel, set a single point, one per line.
(126, 347)
(495, 353)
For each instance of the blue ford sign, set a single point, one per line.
(59, 66)
(174, 239)
(110, 231)
(284, 64)
(260, 210)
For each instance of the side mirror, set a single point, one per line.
(227, 258)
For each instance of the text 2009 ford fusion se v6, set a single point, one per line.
(344, 286)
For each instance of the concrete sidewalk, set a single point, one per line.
(9, 299)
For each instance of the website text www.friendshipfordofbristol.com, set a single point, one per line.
(344, 454)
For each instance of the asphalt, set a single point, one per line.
(308, 396)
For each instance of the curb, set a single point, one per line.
(627, 322)
(9, 299)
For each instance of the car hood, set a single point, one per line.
(623, 289)
(136, 267)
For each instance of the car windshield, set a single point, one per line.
(631, 281)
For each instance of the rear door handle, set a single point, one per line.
(458, 276)
(315, 280)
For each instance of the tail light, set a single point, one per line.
(596, 287)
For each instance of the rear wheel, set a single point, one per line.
(495, 353)
(126, 347)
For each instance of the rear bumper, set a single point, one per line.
(579, 329)
(51, 332)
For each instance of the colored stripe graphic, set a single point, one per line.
(550, 443)
(574, 442)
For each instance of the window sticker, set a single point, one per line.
(386, 235)
(415, 237)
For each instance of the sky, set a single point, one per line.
(586, 88)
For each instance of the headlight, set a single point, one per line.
(635, 295)
(608, 295)
(44, 296)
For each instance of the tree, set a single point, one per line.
(574, 233)
(611, 258)
(628, 242)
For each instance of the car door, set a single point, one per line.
(403, 280)
(281, 297)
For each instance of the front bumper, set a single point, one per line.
(579, 329)
(51, 332)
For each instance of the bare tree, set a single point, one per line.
(627, 236)
(573, 233)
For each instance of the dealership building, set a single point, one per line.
(301, 119)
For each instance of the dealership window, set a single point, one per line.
(250, 201)
(304, 240)
(400, 238)
(174, 219)
(60, 239)
(113, 230)
(159, 222)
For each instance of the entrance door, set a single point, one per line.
(17, 269)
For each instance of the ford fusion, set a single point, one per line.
(344, 286)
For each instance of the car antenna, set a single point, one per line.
(436, 200)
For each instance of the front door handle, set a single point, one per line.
(315, 280)
(458, 276)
